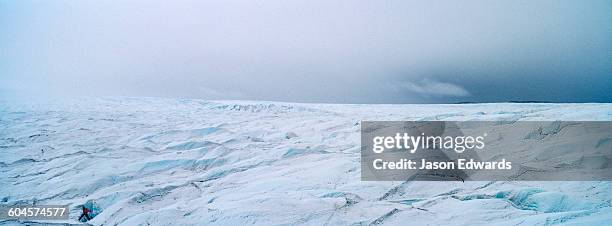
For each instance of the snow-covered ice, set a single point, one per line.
(193, 162)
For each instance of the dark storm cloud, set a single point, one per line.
(309, 51)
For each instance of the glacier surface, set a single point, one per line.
(193, 162)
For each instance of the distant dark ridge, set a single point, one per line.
(511, 101)
(530, 101)
(466, 102)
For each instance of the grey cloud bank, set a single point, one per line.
(435, 88)
(309, 51)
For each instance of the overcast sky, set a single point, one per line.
(309, 50)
